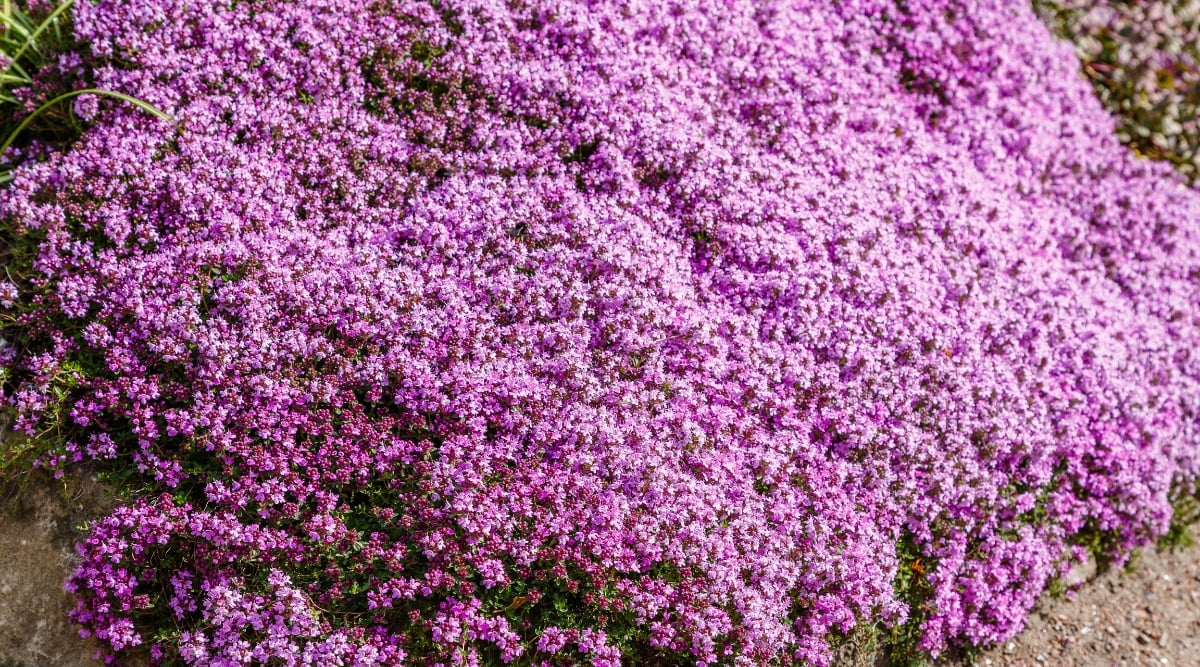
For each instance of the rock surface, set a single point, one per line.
(37, 534)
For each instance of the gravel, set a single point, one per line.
(1148, 614)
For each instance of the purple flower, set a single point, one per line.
(741, 325)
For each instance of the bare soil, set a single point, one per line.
(1145, 615)
(1148, 614)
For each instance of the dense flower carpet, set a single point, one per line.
(473, 332)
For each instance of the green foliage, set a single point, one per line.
(1187, 512)
(1143, 60)
(1102, 545)
(912, 587)
(28, 45)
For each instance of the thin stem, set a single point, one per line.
(145, 106)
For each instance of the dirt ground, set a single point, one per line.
(1147, 615)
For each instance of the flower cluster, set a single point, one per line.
(473, 331)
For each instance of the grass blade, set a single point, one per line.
(145, 106)
(32, 38)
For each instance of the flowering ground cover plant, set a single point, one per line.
(495, 331)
